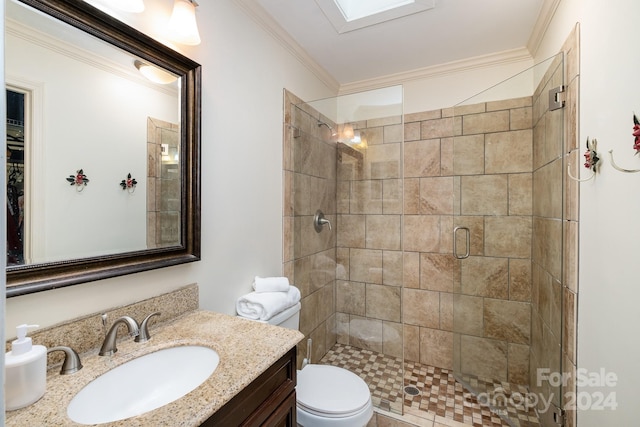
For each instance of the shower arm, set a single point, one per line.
(333, 132)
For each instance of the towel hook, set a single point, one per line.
(591, 161)
(636, 146)
(616, 167)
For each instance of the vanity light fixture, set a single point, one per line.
(183, 27)
(154, 74)
(352, 137)
(347, 132)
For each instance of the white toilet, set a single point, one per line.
(327, 395)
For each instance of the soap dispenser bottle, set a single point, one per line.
(25, 371)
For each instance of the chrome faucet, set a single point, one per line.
(71, 363)
(109, 343)
(143, 335)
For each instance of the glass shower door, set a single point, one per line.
(347, 162)
(506, 160)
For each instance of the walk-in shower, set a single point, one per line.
(440, 281)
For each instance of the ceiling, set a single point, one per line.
(453, 30)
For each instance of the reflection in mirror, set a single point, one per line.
(94, 105)
(163, 198)
(15, 177)
(83, 103)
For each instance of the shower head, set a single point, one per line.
(333, 132)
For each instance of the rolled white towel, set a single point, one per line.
(265, 305)
(271, 284)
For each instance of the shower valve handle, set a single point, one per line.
(319, 221)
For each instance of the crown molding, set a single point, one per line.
(117, 68)
(264, 20)
(454, 67)
(547, 11)
(253, 9)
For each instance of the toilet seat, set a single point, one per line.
(331, 392)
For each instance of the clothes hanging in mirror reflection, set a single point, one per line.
(15, 216)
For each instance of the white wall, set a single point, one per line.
(609, 238)
(244, 73)
(609, 291)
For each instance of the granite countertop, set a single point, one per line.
(246, 349)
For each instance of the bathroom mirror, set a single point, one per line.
(104, 162)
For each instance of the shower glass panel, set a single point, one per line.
(506, 164)
(347, 164)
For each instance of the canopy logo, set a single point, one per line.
(598, 400)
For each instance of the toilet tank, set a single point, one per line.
(289, 318)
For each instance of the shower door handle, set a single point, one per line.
(455, 242)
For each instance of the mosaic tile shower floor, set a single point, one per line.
(437, 390)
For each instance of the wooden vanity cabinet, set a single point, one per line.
(269, 401)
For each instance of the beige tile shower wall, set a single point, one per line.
(491, 145)
(163, 188)
(309, 257)
(369, 246)
(473, 170)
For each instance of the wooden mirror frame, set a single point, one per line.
(26, 279)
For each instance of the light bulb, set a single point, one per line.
(183, 27)
(155, 74)
(347, 132)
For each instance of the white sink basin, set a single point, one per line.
(143, 384)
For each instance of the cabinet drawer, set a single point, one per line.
(284, 415)
(268, 393)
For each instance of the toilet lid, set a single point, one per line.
(331, 391)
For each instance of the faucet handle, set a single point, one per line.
(109, 343)
(71, 363)
(143, 335)
(320, 221)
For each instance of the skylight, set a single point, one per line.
(356, 9)
(349, 15)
